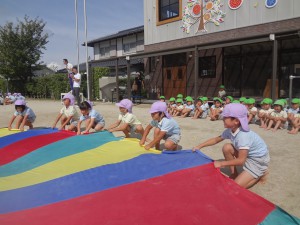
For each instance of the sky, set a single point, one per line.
(103, 18)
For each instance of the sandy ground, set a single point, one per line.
(283, 184)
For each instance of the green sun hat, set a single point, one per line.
(162, 97)
(242, 99)
(200, 99)
(218, 99)
(236, 101)
(172, 99)
(230, 98)
(249, 101)
(267, 101)
(189, 99)
(284, 101)
(295, 101)
(279, 102)
(179, 100)
(222, 86)
(179, 96)
(204, 98)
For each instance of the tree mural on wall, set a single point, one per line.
(202, 12)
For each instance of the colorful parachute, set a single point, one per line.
(55, 177)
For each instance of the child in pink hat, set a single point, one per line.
(24, 115)
(165, 128)
(68, 115)
(247, 148)
(127, 122)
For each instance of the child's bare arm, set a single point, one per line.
(146, 132)
(79, 126)
(114, 125)
(11, 121)
(239, 161)
(156, 140)
(209, 142)
(67, 121)
(122, 127)
(56, 120)
(23, 122)
(92, 120)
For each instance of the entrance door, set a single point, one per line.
(174, 81)
(232, 75)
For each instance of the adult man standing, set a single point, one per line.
(69, 67)
(76, 77)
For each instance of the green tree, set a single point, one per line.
(21, 48)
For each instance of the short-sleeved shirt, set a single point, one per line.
(247, 140)
(214, 107)
(129, 118)
(27, 111)
(252, 110)
(93, 114)
(170, 126)
(266, 111)
(179, 106)
(192, 107)
(75, 83)
(221, 93)
(69, 67)
(70, 111)
(282, 114)
(293, 111)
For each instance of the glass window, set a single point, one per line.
(168, 11)
(207, 67)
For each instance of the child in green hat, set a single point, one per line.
(294, 116)
(200, 109)
(222, 92)
(252, 110)
(171, 105)
(179, 107)
(278, 117)
(216, 109)
(264, 112)
(162, 98)
(189, 107)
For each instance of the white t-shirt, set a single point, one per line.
(69, 67)
(70, 111)
(282, 114)
(75, 83)
(129, 118)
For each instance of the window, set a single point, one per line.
(131, 47)
(207, 67)
(104, 51)
(168, 11)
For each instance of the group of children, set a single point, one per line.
(247, 148)
(10, 98)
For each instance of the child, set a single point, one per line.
(222, 92)
(129, 123)
(205, 102)
(179, 96)
(252, 110)
(278, 117)
(264, 113)
(165, 128)
(24, 115)
(179, 107)
(189, 107)
(200, 110)
(92, 118)
(247, 148)
(242, 100)
(162, 98)
(68, 115)
(171, 105)
(216, 109)
(296, 124)
(9, 99)
(292, 114)
(228, 100)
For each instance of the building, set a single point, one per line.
(194, 46)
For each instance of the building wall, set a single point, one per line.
(252, 12)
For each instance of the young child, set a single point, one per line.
(9, 99)
(278, 117)
(228, 100)
(25, 116)
(222, 92)
(166, 128)
(264, 112)
(179, 96)
(189, 107)
(293, 114)
(162, 98)
(200, 110)
(179, 107)
(171, 105)
(252, 110)
(296, 124)
(68, 115)
(92, 118)
(242, 100)
(216, 109)
(205, 102)
(127, 122)
(247, 148)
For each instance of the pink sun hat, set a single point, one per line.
(70, 97)
(20, 102)
(238, 111)
(125, 103)
(160, 107)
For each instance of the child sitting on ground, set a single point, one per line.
(25, 116)
(9, 99)
(127, 122)
(179, 107)
(247, 148)
(228, 100)
(252, 110)
(278, 116)
(200, 110)
(264, 112)
(189, 107)
(68, 115)
(293, 113)
(171, 105)
(216, 109)
(166, 128)
(162, 98)
(92, 118)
